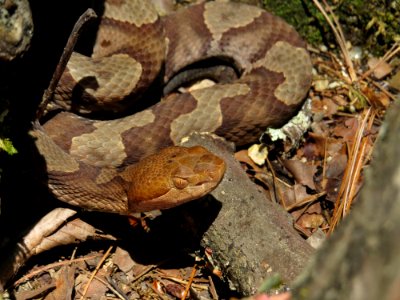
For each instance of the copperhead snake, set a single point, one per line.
(93, 163)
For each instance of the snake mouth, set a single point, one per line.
(173, 198)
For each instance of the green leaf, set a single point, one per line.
(7, 146)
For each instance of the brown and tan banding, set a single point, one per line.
(128, 53)
(93, 163)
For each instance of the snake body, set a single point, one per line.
(93, 163)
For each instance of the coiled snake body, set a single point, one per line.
(91, 163)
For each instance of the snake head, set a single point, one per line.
(173, 176)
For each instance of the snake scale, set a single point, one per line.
(94, 163)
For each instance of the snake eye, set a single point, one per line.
(180, 183)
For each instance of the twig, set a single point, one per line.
(337, 31)
(192, 274)
(111, 286)
(277, 195)
(73, 253)
(362, 158)
(212, 289)
(347, 192)
(144, 272)
(308, 200)
(356, 156)
(383, 90)
(388, 55)
(95, 272)
(88, 15)
(51, 266)
(181, 281)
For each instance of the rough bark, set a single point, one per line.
(361, 259)
(251, 238)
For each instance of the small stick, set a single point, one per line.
(102, 260)
(337, 31)
(51, 266)
(192, 274)
(88, 15)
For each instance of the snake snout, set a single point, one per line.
(199, 167)
(209, 168)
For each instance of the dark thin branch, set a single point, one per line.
(48, 94)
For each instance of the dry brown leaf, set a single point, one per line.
(308, 151)
(96, 289)
(243, 156)
(314, 148)
(310, 221)
(334, 174)
(340, 100)
(326, 107)
(36, 293)
(300, 193)
(314, 208)
(286, 194)
(376, 98)
(279, 191)
(381, 68)
(394, 82)
(335, 147)
(33, 241)
(302, 172)
(175, 289)
(123, 260)
(72, 232)
(336, 166)
(64, 284)
(348, 130)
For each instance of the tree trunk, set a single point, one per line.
(361, 260)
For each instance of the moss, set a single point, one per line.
(370, 24)
(298, 15)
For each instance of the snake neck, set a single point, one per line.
(79, 184)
